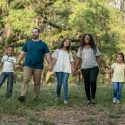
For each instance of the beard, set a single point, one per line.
(35, 36)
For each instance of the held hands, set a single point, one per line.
(103, 71)
(50, 68)
(17, 65)
(73, 73)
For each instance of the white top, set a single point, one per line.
(88, 57)
(64, 60)
(8, 63)
(118, 72)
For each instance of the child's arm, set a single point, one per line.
(110, 72)
(105, 71)
(73, 68)
(1, 64)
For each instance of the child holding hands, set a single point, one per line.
(118, 77)
(8, 63)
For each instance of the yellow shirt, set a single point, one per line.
(118, 74)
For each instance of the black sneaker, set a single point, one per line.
(89, 102)
(22, 98)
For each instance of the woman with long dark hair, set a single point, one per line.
(63, 65)
(88, 56)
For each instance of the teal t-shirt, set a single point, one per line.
(35, 52)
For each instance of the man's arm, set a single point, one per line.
(21, 56)
(49, 60)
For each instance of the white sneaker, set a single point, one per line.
(118, 101)
(114, 100)
(65, 102)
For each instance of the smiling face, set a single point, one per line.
(35, 33)
(120, 58)
(66, 43)
(87, 39)
(10, 51)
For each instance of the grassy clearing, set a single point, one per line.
(47, 111)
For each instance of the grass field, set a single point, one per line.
(47, 111)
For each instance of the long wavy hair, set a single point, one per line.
(92, 42)
(62, 44)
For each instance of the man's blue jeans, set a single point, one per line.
(62, 78)
(10, 78)
(117, 90)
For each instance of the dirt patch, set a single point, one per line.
(71, 116)
(12, 120)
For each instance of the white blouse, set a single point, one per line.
(64, 60)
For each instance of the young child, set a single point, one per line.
(63, 66)
(8, 62)
(118, 77)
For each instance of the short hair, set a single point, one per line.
(37, 29)
(10, 46)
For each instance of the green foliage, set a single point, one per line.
(21, 20)
(65, 18)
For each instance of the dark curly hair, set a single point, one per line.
(92, 42)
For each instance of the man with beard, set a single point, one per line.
(33, 50)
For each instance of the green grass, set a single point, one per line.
(47, 111)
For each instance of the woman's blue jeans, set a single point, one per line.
(117, 90)
(62, 78)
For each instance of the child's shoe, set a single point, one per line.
(118, 101)
(114, 100)
(65, 102)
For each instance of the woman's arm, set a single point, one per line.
(77, 63)
(53, 61)
(109, 71)
(98, 60)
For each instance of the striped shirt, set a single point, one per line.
(8, 63)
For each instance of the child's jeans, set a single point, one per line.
(117, 90)
(10, 79)
(62, 78)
